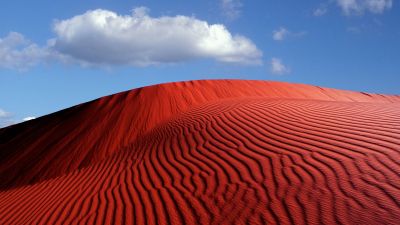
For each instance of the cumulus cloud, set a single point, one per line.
(102, 37)
(361, 6)
(231, 8)
(282, 33)
(277, 67)
(17, 52)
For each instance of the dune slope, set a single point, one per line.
(207, 152)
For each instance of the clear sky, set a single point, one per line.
(56, 54)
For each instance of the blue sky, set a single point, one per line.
(56, 56)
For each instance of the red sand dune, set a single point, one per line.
(207, 152)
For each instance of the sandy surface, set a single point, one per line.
(207, 152)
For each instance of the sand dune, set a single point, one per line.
(207, 152)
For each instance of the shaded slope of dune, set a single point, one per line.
(207, 152)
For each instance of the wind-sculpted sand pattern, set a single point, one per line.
(241, 160)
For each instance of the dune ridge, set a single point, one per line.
(207, 152)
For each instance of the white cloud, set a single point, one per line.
(277, 67)
(28, 118)
(320, 11)
(16, 52)
(102, 37)
(282, 33)
(8, 119)
(360, 6)
(5, 123)
(5, 118)
(231, 8)
(4, 114)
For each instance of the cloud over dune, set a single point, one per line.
(282, 33)
(17, 52)
(102, 37)
(5, 118)
(8, 119)
(28, 118)
(277, 67)
(4, 114)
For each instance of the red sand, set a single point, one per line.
(207, 152)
